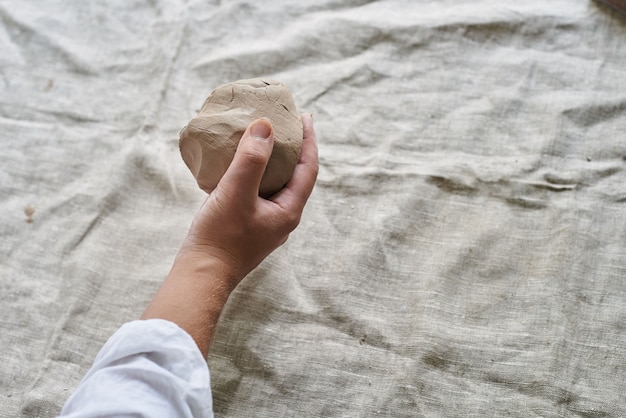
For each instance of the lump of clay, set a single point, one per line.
(208, 142)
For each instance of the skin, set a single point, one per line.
(234, 230)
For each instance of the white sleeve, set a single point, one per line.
(148, 368)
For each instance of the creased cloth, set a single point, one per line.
(463, 252)
(147, 368)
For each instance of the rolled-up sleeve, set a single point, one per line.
(148, 368)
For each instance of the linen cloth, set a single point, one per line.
(463, 253)
(147, 368)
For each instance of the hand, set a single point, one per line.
(236, 226)
(233, 232)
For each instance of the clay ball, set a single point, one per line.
(208, 142)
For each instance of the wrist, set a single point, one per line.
(206, 268)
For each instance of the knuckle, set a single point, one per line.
(292, 220)
(315, 169)
(255, 157)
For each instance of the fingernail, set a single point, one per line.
(261, 129)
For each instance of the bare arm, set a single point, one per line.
(233, 232)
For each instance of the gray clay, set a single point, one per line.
(208, 142)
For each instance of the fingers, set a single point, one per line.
(253, 152)
(299, 188)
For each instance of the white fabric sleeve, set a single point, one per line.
(149, 368)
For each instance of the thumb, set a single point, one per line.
(253, 152)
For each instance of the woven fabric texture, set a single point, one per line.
(463, 253)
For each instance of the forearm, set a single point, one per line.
(193, 296)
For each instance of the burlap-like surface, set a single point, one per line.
(464, 251)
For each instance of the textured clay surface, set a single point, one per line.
(208, 142)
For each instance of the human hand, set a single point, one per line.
(234, 230)
(237, 228)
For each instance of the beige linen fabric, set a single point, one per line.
(463, 253)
